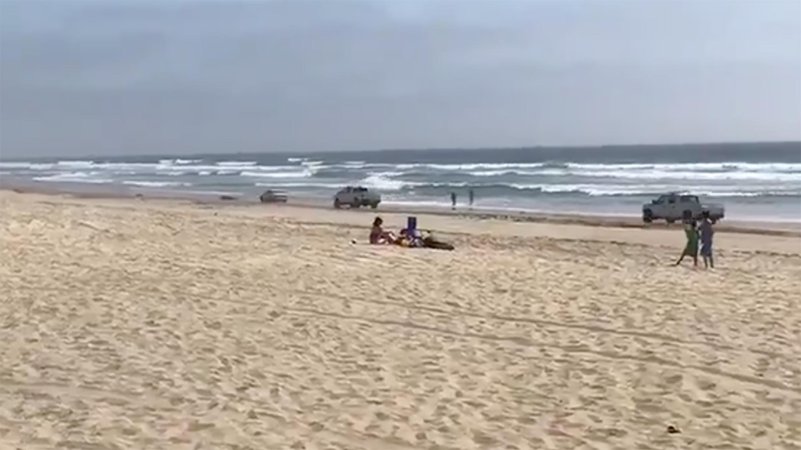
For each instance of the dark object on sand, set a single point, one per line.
(227, 197)
(430, 242)
(273, 196)
(672, 430)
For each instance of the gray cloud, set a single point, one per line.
(123, 77)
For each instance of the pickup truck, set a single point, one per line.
(672, 207)
(356, 197)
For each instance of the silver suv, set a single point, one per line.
(356, 197)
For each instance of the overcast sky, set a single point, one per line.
(169, 76)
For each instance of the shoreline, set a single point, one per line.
(586, 210)
(764, 227)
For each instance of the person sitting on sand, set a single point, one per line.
(378, 236)
(691, 248)
(410, 238)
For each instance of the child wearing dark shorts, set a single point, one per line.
(706, 241)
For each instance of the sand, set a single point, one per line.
(153, 324)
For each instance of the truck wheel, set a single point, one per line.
(374, 205)
(670, 220)
(647, 216)
(337, 205)
(355, 205)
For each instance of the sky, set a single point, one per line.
(180, 77)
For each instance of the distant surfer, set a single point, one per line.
(471, 197)
(453, 200)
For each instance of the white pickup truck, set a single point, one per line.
(356, 197)
(672, 207)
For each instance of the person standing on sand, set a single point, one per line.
(706, 241)
(471, 197)
(691, 248)
(453, 200)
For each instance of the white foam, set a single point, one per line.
(707, 172)
(657, 174)
(229, 167)
(295, 174)
(500, 172)
(155, 183)
(179, 162)
(24, 165)
(76, 164)
(301, 185)
(74, 177)
(601, 190)
(382, 182)
(477, 166)
(679, 171)
(695, 167)
(237, 163)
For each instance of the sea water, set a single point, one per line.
(753, 181)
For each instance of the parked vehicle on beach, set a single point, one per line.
(273, 196)
(356, 197)
(675, 206)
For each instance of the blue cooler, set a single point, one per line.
(411, 225)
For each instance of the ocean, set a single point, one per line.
(753, 181)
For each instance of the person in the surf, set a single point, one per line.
(453, 200)
(691, 247)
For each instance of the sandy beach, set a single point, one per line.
(153, 324)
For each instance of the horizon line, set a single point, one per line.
(413, 150)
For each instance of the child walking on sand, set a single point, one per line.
(691, 248)
(706, 241)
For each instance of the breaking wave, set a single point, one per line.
(505, 183)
